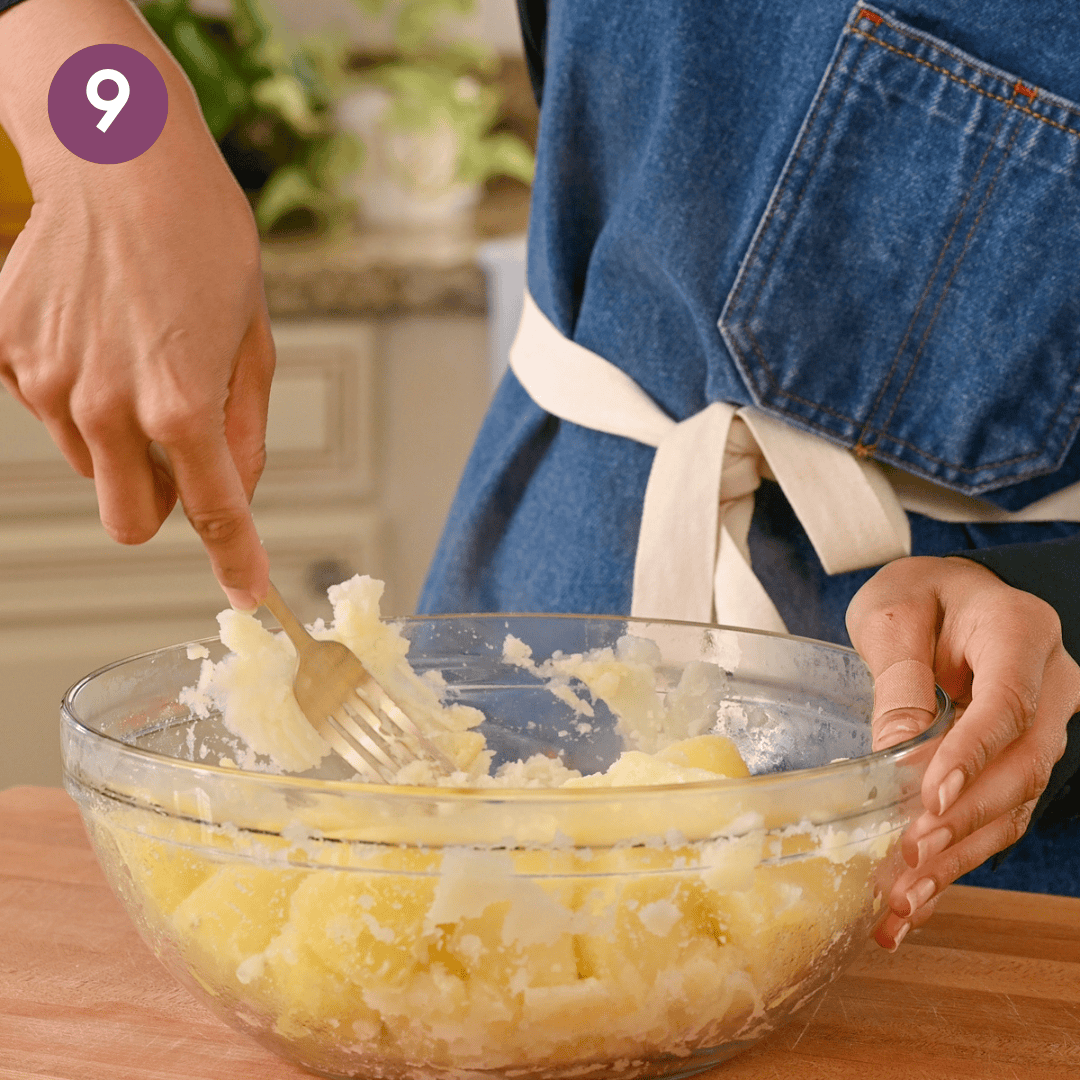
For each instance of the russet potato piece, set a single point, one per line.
(790, 914)
(231, 917)
(163, 874)
(612, 944)
(715, 753)
(366, 927)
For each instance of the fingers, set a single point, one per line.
(917, 890)
(998, 651)
(67, 437)
(134, 494)
(892, 930)
(217, 461)
(46, 395)
(215, 502)
(1007, 649)
(894, 629)
(248, 402)
(1015, 778)
(905, 702)
(146, 442)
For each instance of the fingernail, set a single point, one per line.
(899, 936)
(892, 733)
(933, 844)
(920, 893)
(950, 788)
(242, 601)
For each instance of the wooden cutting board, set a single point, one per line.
(989, 990)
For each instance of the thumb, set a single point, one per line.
(896, 636)
(905, 701)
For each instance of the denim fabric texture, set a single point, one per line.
(875, 203)
(903, 294)
(887, 220)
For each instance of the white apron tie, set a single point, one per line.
(692, 561)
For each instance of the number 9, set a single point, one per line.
(111, 106)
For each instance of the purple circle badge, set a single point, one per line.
(108, 103)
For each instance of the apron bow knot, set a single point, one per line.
(693, 562)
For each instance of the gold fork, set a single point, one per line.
(348, 708)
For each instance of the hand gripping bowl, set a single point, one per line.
(382, 932)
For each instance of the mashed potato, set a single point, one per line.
(422, 958)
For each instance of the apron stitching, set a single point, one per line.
(963, 468)
(775, 201)
(860, 449)
(887, 382)
(952, 277)
(971, 63)
(796, 201)
(964, 82)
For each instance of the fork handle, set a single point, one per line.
(289, 622)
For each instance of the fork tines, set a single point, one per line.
(372, 733)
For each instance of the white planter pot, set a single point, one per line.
(408, 176)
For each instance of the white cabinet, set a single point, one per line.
(370, 424)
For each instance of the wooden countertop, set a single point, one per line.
(989, 990)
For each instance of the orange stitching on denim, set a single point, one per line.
(965, 82)
(860, 449)
(967, 61)
(952, 276)
(869, 426)
(883, 455)
(780, 194)
(780, 241)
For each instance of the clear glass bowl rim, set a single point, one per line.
(895, 754)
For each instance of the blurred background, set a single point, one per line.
(386, 149)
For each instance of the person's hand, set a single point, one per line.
(133, 322)
(997, 652)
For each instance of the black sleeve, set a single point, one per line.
(5, 4)
(1051, 571)
(533, 16)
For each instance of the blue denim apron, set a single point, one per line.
(862, 221)
(863, 225)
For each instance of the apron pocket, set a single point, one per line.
(912, 289)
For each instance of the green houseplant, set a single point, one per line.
(426, 114)
(271, 100)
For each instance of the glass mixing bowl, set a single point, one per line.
(375, 931)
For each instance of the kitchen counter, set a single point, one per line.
(430, 270)
(988, 990)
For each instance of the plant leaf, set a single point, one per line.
(289, 188)
(334, 160)
(497, 155)
(221, 92)
(284, 94)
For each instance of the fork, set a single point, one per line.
(348, 708)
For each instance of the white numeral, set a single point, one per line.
(110, 107)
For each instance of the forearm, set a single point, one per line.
(36, 37)
(132, 313)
